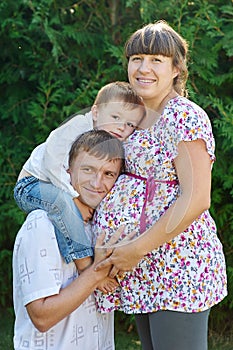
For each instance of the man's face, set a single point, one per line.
(93, 178)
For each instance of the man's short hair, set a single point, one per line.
(98, 143)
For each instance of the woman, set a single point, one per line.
(176, 268)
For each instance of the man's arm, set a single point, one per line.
(47, 312)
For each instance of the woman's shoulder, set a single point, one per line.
(187, 121)
(181, 110)
(185, 105)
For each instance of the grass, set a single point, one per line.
(126, 335)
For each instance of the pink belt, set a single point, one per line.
(151, 185)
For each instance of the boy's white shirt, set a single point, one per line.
(49, 161)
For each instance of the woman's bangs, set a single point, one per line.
(149, 43)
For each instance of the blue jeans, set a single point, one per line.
(31, 194)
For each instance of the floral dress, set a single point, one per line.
(187, 273)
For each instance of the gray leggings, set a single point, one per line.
(171, 330)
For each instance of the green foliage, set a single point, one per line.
(5, 276)
(55, 55)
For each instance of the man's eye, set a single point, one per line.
(109, 174)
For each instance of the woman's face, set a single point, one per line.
(152, 77)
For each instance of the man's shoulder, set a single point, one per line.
(37, 221)
(36, 235)
(38, 214)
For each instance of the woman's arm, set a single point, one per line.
(193, 166)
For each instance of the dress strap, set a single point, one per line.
(151, 186)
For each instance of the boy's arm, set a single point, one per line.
(86, 211)
(57, 147)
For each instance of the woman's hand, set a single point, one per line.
(124, 255)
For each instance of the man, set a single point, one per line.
(53, 305)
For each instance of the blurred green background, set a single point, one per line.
(55, 56)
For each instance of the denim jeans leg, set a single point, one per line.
(31, 194)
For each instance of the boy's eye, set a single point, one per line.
(86, 169)
(115, 117)
(131, 125)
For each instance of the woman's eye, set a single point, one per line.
(135, 58)
(156, 59)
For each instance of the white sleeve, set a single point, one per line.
(57, 147)
(40, 271)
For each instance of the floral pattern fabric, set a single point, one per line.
(187, 273)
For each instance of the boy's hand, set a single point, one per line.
(108, 285)
(86, 211)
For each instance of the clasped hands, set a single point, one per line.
(118, 256)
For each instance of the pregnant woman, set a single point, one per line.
(174, 271)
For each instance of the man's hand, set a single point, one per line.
(86, 211)
(104, 250)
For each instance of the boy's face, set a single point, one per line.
(114, 118)
(93, 178)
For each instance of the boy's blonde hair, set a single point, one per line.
(119, 91)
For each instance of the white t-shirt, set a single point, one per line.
(49, 161)
(39, 271)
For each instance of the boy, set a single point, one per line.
(54, 307)
(118, 110)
